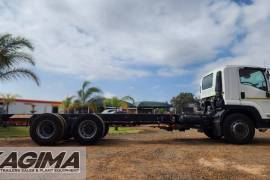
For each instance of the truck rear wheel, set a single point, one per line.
(47, 129)
(88, 130)
(209, 133)
(238, 129)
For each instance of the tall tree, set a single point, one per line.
(12, 53)
(181, 100)
(8, 99)
(85, 95)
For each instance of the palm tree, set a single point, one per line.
(85, 95)
(67, 103)
(8, 99)
(12, 54)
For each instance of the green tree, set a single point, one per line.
(12, 54)
(113, 102)
(181, 100)
(85, 95)
(8, 99)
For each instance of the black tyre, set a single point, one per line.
(47, 129)
(67, 131)
(238, 129)
(209, 133)
(106, 131)
(88, 130)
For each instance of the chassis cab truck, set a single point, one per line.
(234, 101)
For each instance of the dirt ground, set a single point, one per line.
(158, 154)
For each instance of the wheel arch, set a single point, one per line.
(249, 111)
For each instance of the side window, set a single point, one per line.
(253, 77)
(207, 82)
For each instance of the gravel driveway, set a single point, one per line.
(157, 154)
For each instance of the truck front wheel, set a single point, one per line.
(238, 129)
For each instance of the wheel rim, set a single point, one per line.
(46, 129)
(240, 130)
(87, 129)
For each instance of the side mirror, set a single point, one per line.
(267, 75)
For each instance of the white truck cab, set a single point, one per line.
(238, 91)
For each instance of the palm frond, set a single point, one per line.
(81, 95)
(85, 84)
(11, 55)
(9, 43)
(3, 39)
(91, 91)
(15, 73)
(15, 58)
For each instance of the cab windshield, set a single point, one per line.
(253, 77)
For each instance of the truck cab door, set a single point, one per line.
(254, 88)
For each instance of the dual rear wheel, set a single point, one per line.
(49, 129)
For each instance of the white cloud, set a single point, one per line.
(253, 49)
(108, 95)
(170, 72)
(120, 39)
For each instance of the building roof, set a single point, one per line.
(152, 104)
(35, 101)
(99, 102)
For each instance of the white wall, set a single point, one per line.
(26, 108)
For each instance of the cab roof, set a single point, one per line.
(233, 66)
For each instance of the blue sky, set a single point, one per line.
(148, 49)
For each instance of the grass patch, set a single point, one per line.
(19, 131)
(13, 131)
(123, 130)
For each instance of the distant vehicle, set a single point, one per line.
(109, 111)
(112, 111)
